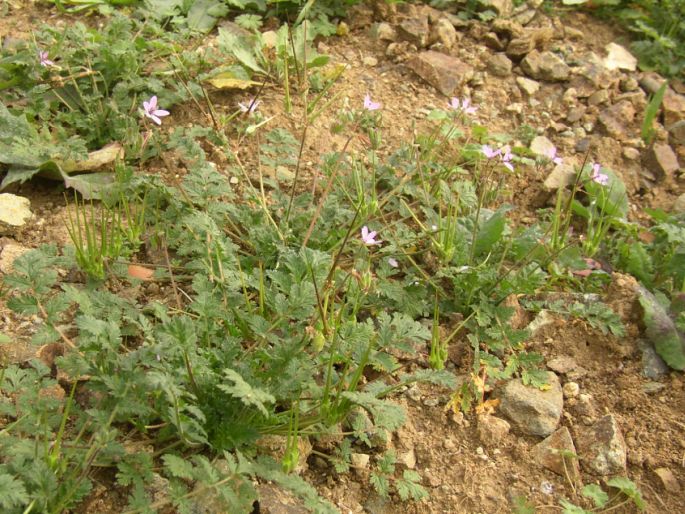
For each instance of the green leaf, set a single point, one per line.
(490, 232)
(596, 494)
(661, 331)
(178, 467)
(409, 487)
(628, 487)
(12, 492)
(571, 508)
(648, 132)
(203, 14)
(240, 49)
(92, 186)
(245, 392)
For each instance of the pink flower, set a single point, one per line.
(489, 152)
(506, 157)
(370, 105)
(150, 110)
(601, 178)
(44, 61)
(552, 155)
(393, 263)
(465, 106)
(369, 237)
(249, 107)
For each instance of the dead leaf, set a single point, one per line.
(227, 80)
(488, 406)
(96, 159)
(140, 272)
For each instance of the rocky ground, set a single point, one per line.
(552, 78)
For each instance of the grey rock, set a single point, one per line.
(528, 86)
(673, 107)
(598, 97)
(385, 32)
(492, 430)
(679, 204)
(276, 500)
(444, 33)
(660, 160)
(561, 176)
(668, 480)
(525, 16)
(500, 65)
(651, 82)
(533, 411)
(653, 366)
(444, 72)
(676, 133)
(556, 454)
(415, 30)
(492, 41)
(15, 213)
(541, 146)
(519, 47)
(617, 119)
(583, 145)
(602, 448)
(507, 28)
(629, 84)
(9, 253)
(563, 364)
(501, 7)
(619, 58)
(575, 114)
(545, 66)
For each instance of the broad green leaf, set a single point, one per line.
(628, 487)
(204, 14)
(596, 494)
(661, 331)
(490, 232)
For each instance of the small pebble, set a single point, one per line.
(571, 389)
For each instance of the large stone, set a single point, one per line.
(444, 72)
(679, 204)
(384, 32)
(9, 253)
(561, 176)
(415, 30)
(492, 430)
(534, 412)
(501, 7)
(668, 480)
(661, 160)
(674, 108)
(617, 119)
(15, 212)
(499, 65)
(520, 46)
(676, 133)
(619, 58)
(558, 453)
(602, 448)
(528, 86)
(444, 33)
(545, 66)
(276, 500)
(542, 146)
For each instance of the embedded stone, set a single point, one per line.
(492, 430)
(385, 32)
(501, 7)
(673, 106)
(443, 72)
(500, 65)
(415, 30)
(616, 120)
(443, 32)
(602, 448)
(545, 66)
(541, 146)
(676, 133)
(668, 480)
(15, 212)
(518, 47)
(558, 454)
(528, 86)
(619, 58)
(534, 412)
(661, 160)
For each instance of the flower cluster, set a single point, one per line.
(369, 236)
(504, 154)
(249, 107)
(43, 58)
(464, 107)
(601, 178)
(369, 104)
